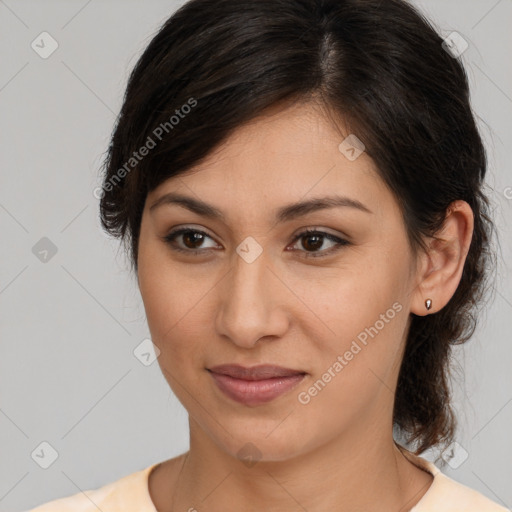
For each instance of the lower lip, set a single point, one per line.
(255, 392)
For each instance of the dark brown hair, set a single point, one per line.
(380, 66)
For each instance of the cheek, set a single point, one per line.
(355, 297)
(164, 303)
(354, 370)
(365, 310)
(174, 306)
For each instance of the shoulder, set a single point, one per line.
(446, 494)
(127, 493)
(451, 495)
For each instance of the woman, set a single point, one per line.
(299, 186)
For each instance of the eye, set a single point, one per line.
(315, 239)
(192, 240)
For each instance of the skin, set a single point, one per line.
(337, 451)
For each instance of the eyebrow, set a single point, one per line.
(283, 214)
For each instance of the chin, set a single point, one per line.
(266, 443)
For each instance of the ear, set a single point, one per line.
(440, 268)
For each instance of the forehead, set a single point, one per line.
(282, 156)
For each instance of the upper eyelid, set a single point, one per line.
(300, 232)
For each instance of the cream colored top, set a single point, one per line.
(131, 494)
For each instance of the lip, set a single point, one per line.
(255, 385)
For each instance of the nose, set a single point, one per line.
(251, 303)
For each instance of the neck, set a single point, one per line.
(363, 472)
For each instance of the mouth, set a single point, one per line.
(256, 385)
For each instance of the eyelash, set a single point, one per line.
(340, 242)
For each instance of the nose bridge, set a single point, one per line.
(248, 305)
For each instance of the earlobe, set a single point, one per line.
(444, 262)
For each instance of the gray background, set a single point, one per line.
(69, 325)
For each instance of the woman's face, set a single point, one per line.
(250, 295)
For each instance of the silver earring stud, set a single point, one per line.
(428, 303)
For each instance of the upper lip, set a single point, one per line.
(260, 372)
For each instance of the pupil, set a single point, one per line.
(193, 236)
(315, 246)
